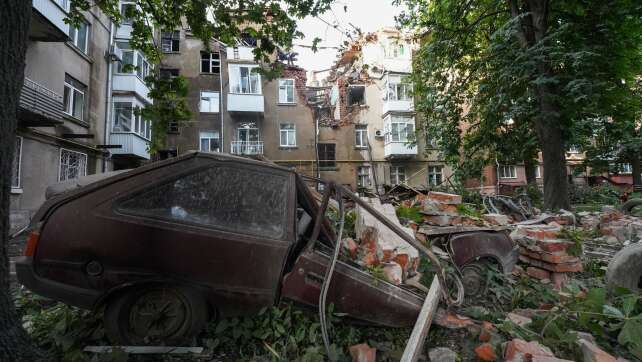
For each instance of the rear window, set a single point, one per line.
(228, 198)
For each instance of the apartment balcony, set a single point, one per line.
(124, 31)
(247, 147)
(244, 53)
(39, 106)
(397, 106)
(239, 102)
(399, 150)
(47, 20)
(132, 145)
(131, 83)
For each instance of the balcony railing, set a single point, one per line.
(39, 105)
(247, 147)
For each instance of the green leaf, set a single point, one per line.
(628, 305)
(612, 312)
(631, 336)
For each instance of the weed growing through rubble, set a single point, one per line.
(577, 236)
(469, 210)
(409, 213)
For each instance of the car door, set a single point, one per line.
(224, 225)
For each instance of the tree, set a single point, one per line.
(272, 22)
(538, 63)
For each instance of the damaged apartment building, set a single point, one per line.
(76, 109)
(368, 134)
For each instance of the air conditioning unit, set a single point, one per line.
(378, 133)
(115, 53)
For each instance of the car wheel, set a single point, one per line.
(155, 315)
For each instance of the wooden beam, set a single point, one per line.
(420, 331)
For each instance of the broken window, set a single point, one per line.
(327, 158)
(220, 197)
(170, 41)
(356, 95)
(244, 79)
(435, 175)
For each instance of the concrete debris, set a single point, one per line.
(442, 354)
(378, 245)
(592, 353)
(520, 320)
(363, 353)
(625, 269)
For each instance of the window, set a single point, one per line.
(63, 4)
(169, 73)
(133, 60)
(399, 91)
(361, 136)
(214, 198)
(16, 164)
(209, 102)
(626, 168)
(356, 95)
(399, 129)
(286, 90)
(209, 142)
(287, 135)
(326, 155)
(507, 171)
(395, 50)
(210, 63)
(573, 149)
(363, 176)
(74, 98)
(170, 41)
(397, 175)
(538, 171)
(127, 119)
(78, 36)
(72, 165)
(125, 9)
(245, 79)
(435, 175)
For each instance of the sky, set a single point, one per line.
(368, 15)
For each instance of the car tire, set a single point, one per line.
(628, 206)
(155, 315)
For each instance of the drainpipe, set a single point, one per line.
(108, 88)
(316, 140)
(220, 79)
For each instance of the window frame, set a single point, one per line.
(433, 174)
(393, 122)
(138, 125)
(60, 164)
(69, 103)
(73, 37)
(327, 163)
(236, 85)
(218, 101)
(125, 20)
(397, 171)
(361, 136)
(511, 175)
(283, 87)
(361, 175)
(17, 159)
(174, 40)
(288, 132)
(211, 62)
(209, 136)
(538, 171)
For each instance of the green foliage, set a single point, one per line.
(577, 236)
(376, 271)
(596, 195)
(469, 210)
(410, 213)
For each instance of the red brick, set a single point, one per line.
(442, 220)
(487, 331)
(444, 197)
(592, 353)
(548, 359)
(451, 320)
(558, 268)
(403, 260)
(351, 246)
(486, 352)
(538, 273)
(519, 350)
(431, 207)
(496, 219)
(556, 257)
(363, 353)
(554, 245)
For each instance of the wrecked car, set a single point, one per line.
(165, 247)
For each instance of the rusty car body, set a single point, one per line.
(167, 246)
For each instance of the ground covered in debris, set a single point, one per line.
(558, 303)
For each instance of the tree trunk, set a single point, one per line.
(529, 168)
(636, 170)
(15, 344)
